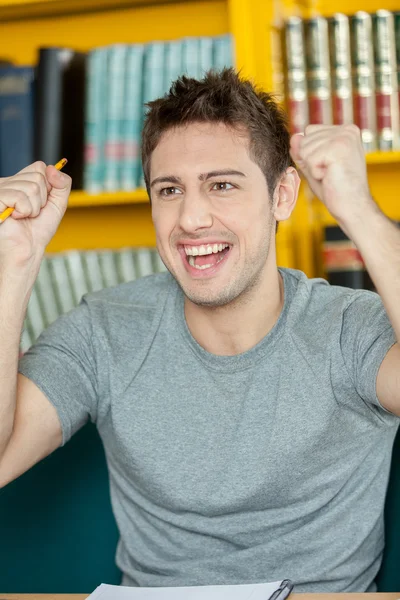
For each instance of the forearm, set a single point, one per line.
(378, 240)
(16, 284)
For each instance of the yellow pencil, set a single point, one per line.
(6, 213)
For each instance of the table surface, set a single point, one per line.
(376, 596)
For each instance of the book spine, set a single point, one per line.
(397, 44)
(387, 101)
(318, 71)
(296, 82)
(76, 273)
(144, 263)
(114, 141)
(191, 57)
(205, 46)
(153, 78)
(343, 263)
(93, 275)
(342, 93)
(363, 78)
(46, 293)
(126, 265)
(108, 267)
(61, 283)
(35, 322)
(223, 52)
(16, 119)
(173, 62)
(132, 117)
(95, 114)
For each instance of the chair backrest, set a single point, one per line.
(388, 579)
(58, 533)
(57, 530)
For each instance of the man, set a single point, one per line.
(247, 412)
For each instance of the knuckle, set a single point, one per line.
(34, 188)
(39, 166)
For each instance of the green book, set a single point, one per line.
(95, 120)
(114, 136)
(76, 272)
(191, 57)
(153, 77)
(173, 62)
(108, 267)
(126, 265)
(61, 283)
(223, 55)
(46, 295)
(92, 269)
(132, 118)
(206, 58)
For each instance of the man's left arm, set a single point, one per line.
(333, 161)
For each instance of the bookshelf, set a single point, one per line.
(115, 220)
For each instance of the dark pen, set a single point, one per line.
(283, 590)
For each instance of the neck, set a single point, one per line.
(240, 325)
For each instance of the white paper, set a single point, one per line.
(255, 591)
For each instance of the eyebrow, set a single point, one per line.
(202, 176)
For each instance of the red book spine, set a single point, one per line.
(318, 71)
(297, 103)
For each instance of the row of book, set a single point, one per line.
(65, 277)
(89, 107)
(345, 70)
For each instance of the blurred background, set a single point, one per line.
(74, 77)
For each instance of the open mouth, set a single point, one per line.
(206, 257)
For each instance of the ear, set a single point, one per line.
(285, 195)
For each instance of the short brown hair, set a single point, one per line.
(222, 97)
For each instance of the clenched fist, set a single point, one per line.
(39, 195)
(333, 162)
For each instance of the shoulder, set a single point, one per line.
(317, 299)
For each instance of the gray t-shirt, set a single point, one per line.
(267, 465)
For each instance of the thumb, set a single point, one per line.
(60, 187)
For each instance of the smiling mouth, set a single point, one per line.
(206, 257)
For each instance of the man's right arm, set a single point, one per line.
(29, 425)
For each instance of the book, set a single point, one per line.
(108, 267)
(46, 294)
(387, 100)
(132, 118)
(143, 260)
(318, 71)
(126, 265)
(340, 55)
(59, 109)
(61, 282)
(76, 274)
(363, 78)
(95, 120)
(35, 322)
(16, 119)
(342, 262)
(191, 58)
(92, 269)
(296, 80)
(114, 135)
(223, 52)
(173, 62)
(205, 55)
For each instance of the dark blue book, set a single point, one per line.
(16, 119)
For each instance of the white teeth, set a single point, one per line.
(191, 261)
(203, 250)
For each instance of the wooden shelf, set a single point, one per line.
(22, 9)
(383, 158)
(80, 198)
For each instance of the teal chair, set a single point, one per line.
(57, 530)
(58, 534)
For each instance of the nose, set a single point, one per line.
(195, 212)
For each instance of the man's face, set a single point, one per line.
(211, 211)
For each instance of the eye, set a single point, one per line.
(222, 186)
(169, 191)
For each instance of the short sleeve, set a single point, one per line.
(366, 337)
(62, 364)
